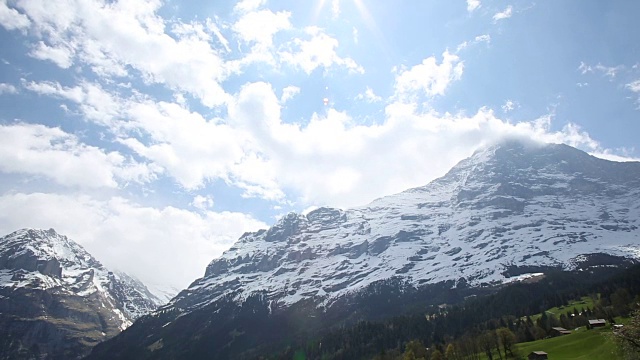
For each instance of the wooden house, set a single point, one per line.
(537, 355)
(597, 323)
(558, 331)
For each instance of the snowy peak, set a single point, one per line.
(512, 159)
(508, 174)
(59, 300)
(46, 260)
(512, 205)
(43, 250)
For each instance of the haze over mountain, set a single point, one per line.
(57, 301)
(510, 209)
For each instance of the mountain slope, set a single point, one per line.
(57, 301)
(509, 209)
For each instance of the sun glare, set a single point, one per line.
(335, 9)
(318, 10)
(363, 12)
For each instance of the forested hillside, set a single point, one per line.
(481, 326)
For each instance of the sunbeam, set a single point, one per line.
(318, 9)
(364, 14)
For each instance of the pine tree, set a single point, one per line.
(486, 343)
(450, 354)
(436, 355)
(507, 339)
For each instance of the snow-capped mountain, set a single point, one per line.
(508, 210)
(510, 205)
(59, 300)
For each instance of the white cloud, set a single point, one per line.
(164, 245)
(193, 30)
(130, 38)
(122, 36)
(245, 6)
(463, 45)
(634, 86)
(309, 209)
(11, 19)
(202, 202)
(504, 14)
(50, 152)
(333, 161)
(7, 89)
(330, 160)
(486, 38)
(584, 68)
(319, 51)
(60, 55)
(75, 94)
(609, 155)
(429, 77)
(356, 35)
(188, 147)
(369, 96)
(211, 26)
(259, 27)
(483, 38)
(609, 71)
(289, 93)
(473, 5)
(509, 106)
(94, 103)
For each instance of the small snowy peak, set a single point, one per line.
(162, 292)
(135, 297)
(521, 203)
(51, 286)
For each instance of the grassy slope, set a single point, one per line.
(582, 344)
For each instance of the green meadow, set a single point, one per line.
(582, 344)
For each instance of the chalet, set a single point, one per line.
(537, 355)
(558, 331)
(597, 323)
(618, 326)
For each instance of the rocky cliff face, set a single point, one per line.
(509, 207)
(57, 301)
(505, 212)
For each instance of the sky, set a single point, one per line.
(154, 133)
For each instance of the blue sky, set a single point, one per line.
(157, 132)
